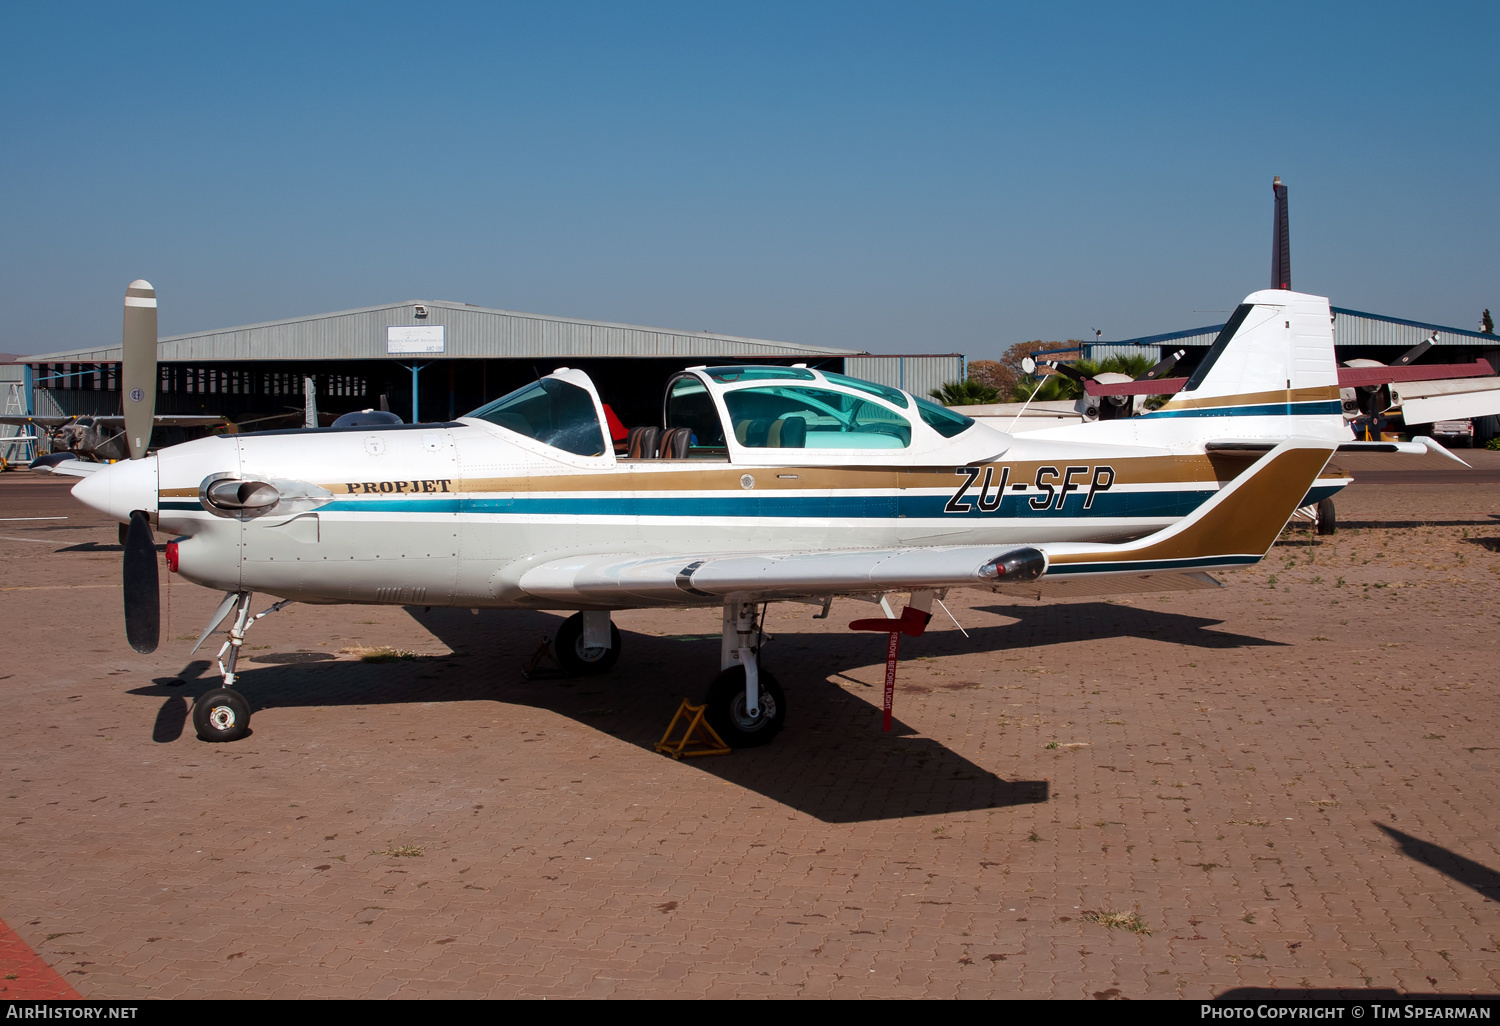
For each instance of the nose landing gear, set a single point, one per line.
(223, 714)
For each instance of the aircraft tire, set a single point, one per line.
(578, 660)
(1327, 521)
(726, 709)
(221, 715)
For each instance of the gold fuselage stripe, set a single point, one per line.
(692, 475)
(1281, 395)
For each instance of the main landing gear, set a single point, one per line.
(745, 703)
(587, 643)
(223, 714)
(1321, 514)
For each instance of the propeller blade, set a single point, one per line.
(142, 598)
(138, 367)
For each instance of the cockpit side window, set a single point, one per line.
(789, 417)
(690, 406)
(553, 412)
(941, 419)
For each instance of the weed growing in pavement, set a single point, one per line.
(1131, 921)
(383, 654)
(402, 851)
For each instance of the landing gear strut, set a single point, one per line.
(745, 703)
(223, 714)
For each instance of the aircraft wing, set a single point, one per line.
(626, 580)
(21, 421)
(1233, 528)
(71, 468)
(167, 420)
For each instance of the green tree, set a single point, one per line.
(968, 392)
(995, 374)
(1487, 323)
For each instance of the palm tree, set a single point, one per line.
(965, 393)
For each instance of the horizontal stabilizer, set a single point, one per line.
(1234, 528)
(1419, 446)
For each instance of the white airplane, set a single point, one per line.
(761, 484)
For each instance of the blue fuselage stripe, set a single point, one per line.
(1260, 410)
(1175, 503)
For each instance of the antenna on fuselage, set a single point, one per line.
(1281, 240)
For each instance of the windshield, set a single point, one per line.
(551, 411)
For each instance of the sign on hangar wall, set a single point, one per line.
(401, 341)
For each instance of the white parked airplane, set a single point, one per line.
(762, 483)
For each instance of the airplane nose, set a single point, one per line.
(120, 488)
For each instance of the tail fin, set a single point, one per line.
(1274, 359)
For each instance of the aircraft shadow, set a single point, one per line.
(831, 762)
(1466, 871)
(1366, 994)
(1090, 621)
(1362, 525)
(102, 547)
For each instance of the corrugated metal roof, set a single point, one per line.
(918, 374)
(1102, 352)
(472, 332)
(1350, 328)
(1354, 328)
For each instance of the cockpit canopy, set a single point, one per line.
(553, 411)
(716, 412)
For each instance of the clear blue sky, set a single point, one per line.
(903, 177)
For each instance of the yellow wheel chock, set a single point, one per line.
(699, 738)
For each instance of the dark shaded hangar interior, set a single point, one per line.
(463, 356)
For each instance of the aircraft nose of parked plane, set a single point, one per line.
(120, 488)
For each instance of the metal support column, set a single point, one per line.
(414, 368)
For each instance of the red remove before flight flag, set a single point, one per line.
(912, 622)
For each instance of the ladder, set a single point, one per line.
(17, 444)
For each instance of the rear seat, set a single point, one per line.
(651, 443)
(641, 443)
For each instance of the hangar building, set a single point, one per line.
(1356, 335)
(435, 358)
